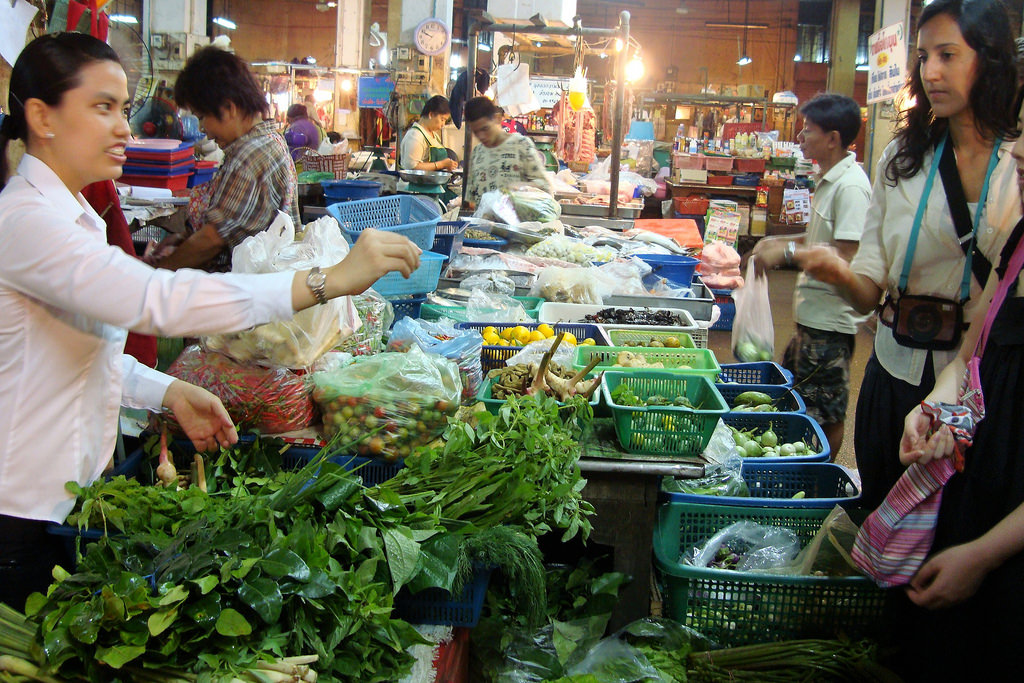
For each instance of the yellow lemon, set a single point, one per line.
(490, 329)
(570, 338)
(537, 335)
(546, 330)
(507, 333)
(503, 342)
(522, 335)
(588, 342)
(491, 339)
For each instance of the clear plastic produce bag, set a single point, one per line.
(299, 342)
(272, 400)
(532, 353)
(376, 315)
(495, 308)
(489, 282)
(749, 547)
(461, 346)
(387, 404)
(718, 480)
(753, 334)
(570, 250)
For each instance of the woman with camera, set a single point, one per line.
(947, 176)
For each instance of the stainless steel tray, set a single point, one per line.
(514, 234)
(599, 211)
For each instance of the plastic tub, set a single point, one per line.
(530, 304)
(494, 405)
(688, 161)
(726, 307)
(664, 430)
(676, 269)
(720, 180)
(718, 164)
(495, 356)
(750, 165)
(763, 372)
(742, 608)
(691, 205)
(696, 361)
(408, 307)
(346, 190)
(638, 337)
(822, 484)
(785, 399)
(789, 427)
(408, 215)
(423, 279)
(446, 235)
(554, 312)
(438, 606)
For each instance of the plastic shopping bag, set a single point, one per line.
(753, 334)
(461, 346)
(299, 342)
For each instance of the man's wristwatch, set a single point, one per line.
(790, 252)
(317, 283)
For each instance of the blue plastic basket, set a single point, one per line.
(725, 303)
(676, 269)
(437, 606)
(762, 372)
(785, 399)
(789, 427)
(496, 243)
(347, 190)
(446, 235)
(408, 307)
(823, 484)
(371, 470)
(492, 357)
(409, 215)
(423, 279)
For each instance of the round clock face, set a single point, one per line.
(431, 36)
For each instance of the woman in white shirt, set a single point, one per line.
(963, 90)
(67, 300)
(422, 149)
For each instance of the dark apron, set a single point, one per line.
(439, 154)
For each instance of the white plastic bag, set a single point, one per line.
(299, 342)
(753, 335)
(495, 308)
(532, 353)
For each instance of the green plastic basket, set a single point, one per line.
(664, 430)
(741, 608)
(628, 337)
(493, 405)
(458, 313)
(689, 361)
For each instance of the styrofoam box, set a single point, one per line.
(552, 312)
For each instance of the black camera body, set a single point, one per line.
(927, 322)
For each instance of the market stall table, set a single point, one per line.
(623, 488)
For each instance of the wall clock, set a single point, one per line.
(432, 36)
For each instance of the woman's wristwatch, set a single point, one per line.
(317, 283)
(790, 252)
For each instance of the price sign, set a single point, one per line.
(374, 91)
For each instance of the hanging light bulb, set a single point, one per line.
(578, 90)
(634, 69)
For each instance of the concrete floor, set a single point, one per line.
(780, 290)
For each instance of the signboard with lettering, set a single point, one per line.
(887, 63)
(548, 90)
(374, 91)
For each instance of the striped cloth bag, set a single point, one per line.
(895, 539)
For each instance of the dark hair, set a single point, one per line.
(297, 110)
(47, 68)
(833, 112)
(438, 104)
(334, 136)
(985, 27)
(212, 78)
(479, 108)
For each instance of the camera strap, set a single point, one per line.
(957, 201)
(965, 284)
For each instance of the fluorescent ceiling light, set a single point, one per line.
(123, 19)
(863, 67)
(723, 24)
(225, 22)
(744, 60)
(484, 47)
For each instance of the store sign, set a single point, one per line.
(374, 91)
(887, 63)
(548, 90)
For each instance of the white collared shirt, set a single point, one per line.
(841, 200)
(938, 264)
(66, 301)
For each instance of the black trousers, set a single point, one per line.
(882, 405)
(27, 557)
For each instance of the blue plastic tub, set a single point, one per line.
(786, 400)
(346, 190)
(423, 279)
(762, 372)
(726, 307)
(676, 269)
(789, 427)
(773, 484)
(437, 606)
(412, 216)
(408, 307)
(446, 236)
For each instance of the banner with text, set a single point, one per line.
(373, 92)
(887, 63)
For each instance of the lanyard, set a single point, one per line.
(965, 284)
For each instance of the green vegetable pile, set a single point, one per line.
(197, 586)
(623, 395)
(717, 481)
(754, 402)
(755, 444)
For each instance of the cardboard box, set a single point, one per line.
(693, 175)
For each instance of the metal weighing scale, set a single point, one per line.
(545, 143)
(378, 157)
(425, 182)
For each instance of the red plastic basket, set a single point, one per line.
(691, 205)
(721, 180)
(718, 163)
(750, 165)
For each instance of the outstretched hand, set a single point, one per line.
(918, 445)
(824, 264)
(375, 254)
(201, 414)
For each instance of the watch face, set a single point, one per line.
(431, 36)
